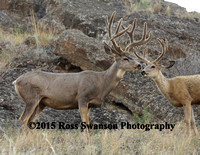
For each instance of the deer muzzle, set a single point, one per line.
(143, 73)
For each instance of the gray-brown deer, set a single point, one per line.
(180, 90)
(81, 90)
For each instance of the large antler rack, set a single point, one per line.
(130, 33)
(117, 33)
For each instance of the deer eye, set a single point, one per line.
(126, 59)
(152, 66)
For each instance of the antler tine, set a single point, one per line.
(144, 40)
(162, 43)
(143, 59)
(145, 31)
(110, 23)
(120, 33)
(117, 33)
(130, 33)
(118, 25)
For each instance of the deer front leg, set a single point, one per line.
(193, 123)
(84, 112)
(187, 112)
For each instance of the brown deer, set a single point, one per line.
(180, 90)
(81, 90)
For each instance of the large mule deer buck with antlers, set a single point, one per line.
(81, 90)
(180, 90)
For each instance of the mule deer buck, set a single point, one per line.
(180, 90)
(81, 90)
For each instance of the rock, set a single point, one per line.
(30, 41)
(81, 50)
(87, 16)
(4, 5)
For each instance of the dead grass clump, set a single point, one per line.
(167, 11)
(135, 6)
(9, 41)
(13, 43)
(157, 7)
(42, 36)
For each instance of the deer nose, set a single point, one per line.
(143, 72)
(139, 66)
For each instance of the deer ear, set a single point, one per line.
(168, 64)
(110, 51)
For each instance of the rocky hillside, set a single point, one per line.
(67, 36)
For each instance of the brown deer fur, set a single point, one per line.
(180, 91)
(77, 90)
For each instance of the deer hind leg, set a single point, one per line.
(88, 114)
(29, 110)
(36, 112)
(193, 123)
(187, 112)
(21, 118)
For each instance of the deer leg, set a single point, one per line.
(29, 110)
(193, 123)
(26, 112)
(83, 108)
(37, 112)
(187, 112)
(88, 114)
(21, 118)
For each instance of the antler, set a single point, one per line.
(143, 59)
(117, 33)
(130, 33)
(142, 41)
(132, 44)
(164, 49)
(162, 43)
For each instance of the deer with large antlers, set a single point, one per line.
(180, 90)
(81, 90)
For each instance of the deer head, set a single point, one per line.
(153, 68)
(123, 58)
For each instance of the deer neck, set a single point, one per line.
(162, 83)
(111, 77)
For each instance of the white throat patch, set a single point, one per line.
(120, 73)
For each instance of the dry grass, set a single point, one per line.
(12, 43)
(135, 6)
(8, 44)
(167, 11)
(101, 142)
(42, 36)
(157, 7)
